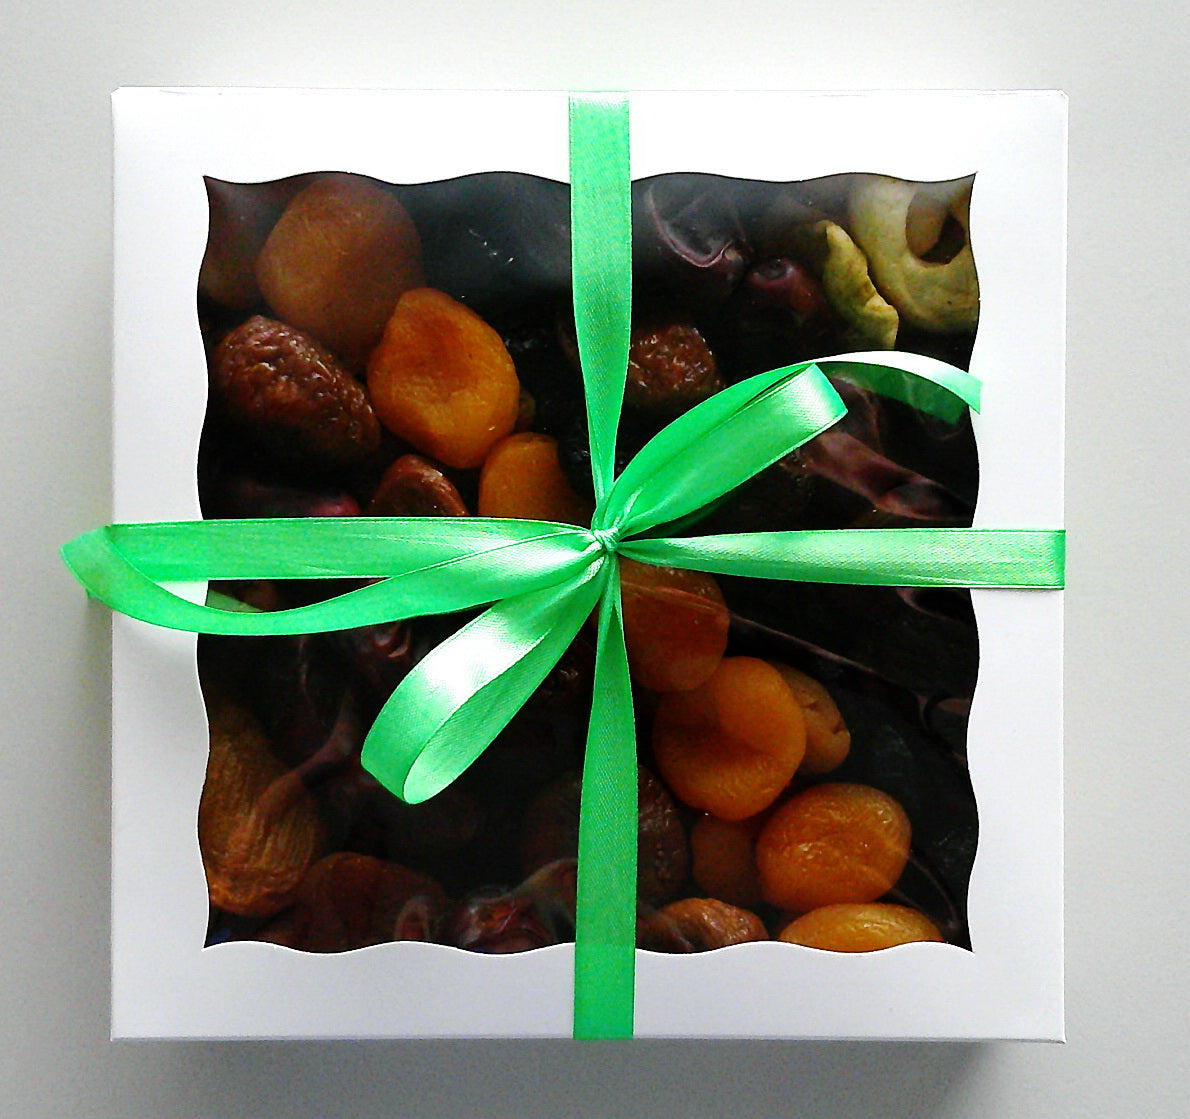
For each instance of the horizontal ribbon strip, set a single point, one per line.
(427, 566)
(879, 557)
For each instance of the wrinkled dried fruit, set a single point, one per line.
(507, 923)
(832, 843)
(827, 738)
(698, 925)
(522, 477)
(413, 487)
(860, 927)
(337, 261)
(550, 833)
(350, 900)
(675, 625)
(442, 380)
(730, 746)
(258, 827)
(689, 247)
(292, 395)
(723, 858)
(670, 368)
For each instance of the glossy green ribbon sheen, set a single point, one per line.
(540, 581)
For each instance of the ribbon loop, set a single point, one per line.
(448, 710)
(718, 445)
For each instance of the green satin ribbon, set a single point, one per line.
(540, 581)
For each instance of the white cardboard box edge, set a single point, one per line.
(166, 985)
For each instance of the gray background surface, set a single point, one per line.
(1126, 786)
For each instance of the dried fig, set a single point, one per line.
(258, 827)
(292, 395)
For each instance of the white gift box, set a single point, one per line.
(1009, 985)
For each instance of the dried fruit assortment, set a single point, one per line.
(409, 351)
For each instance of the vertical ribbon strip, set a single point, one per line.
(601, 256)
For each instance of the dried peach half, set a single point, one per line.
(337, 260)
(442, 379)
(860, 927)
(832, 843)
(731, 745)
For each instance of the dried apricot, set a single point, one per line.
(860, 927)
(723, 859)
(828, 741)
(522, 477)
(337, 260)
(675, 625)
(442, 380)
(698, 925)
(730, 746)
(832, 843)
(258, 826)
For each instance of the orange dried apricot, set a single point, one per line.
(258, 826)
(522, 477)
(730, 746)
(337, 260)
(860, 927)
(832, 843)
(675, 625)
(723, 859)
(828, 740)
(442, 379)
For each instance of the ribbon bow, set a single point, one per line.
(545, 579)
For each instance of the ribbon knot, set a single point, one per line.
(608, 540)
